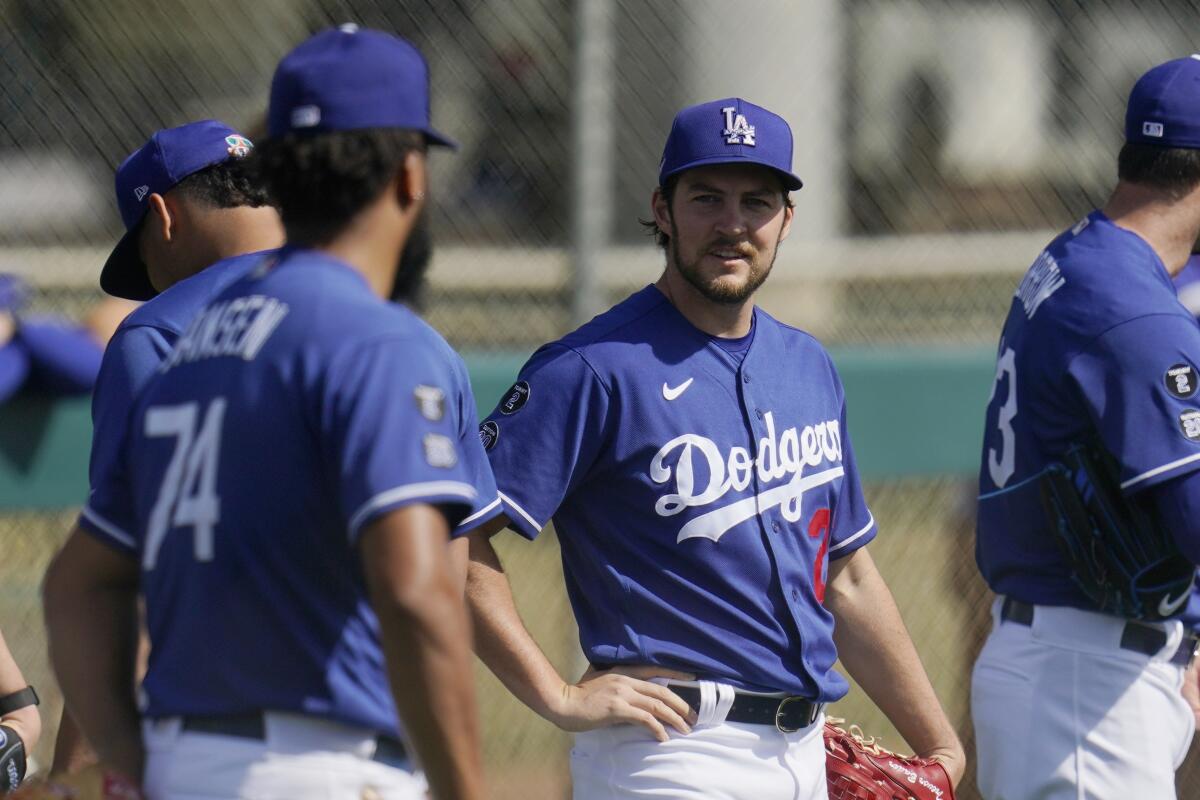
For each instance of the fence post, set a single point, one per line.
(592, 167)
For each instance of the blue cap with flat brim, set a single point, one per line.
(730, 131)
(156, 167)
(352, 78)
(1164, 106)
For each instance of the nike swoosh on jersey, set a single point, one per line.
(671, 394)
(1167, 606)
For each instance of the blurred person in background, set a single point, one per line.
(197, 218)
(48, 355)
(693, 455)
(20, 723)
(1087, 685)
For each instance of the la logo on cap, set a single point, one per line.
(737, 129)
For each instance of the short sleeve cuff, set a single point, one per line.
(521, 520)
(107, 532)
(487, 513)
(458, 495)
(858, 539)
(1163, 472)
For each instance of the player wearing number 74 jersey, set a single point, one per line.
(1076, 693)
(286, 490)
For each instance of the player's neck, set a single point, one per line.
(247, 230)
(1169, 225)
(371, 244)
(728, 321)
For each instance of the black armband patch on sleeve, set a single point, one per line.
(12, 759)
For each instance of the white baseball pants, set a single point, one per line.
(718, 760)
(302, 758)
(1062, 712)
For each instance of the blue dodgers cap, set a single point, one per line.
(730, 131)
(156, 167)
(1164, 106)
(351, 78)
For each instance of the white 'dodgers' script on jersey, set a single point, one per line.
(782, 457)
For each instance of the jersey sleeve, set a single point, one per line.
(130, 360)
(389, 426)
(109, 513)
(852, 523)
(64, 357)
(475, 461)
(544, 435)
(1139, 383)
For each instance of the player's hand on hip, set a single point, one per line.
(624, 695)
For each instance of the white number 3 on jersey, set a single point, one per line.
(188, 492)
(1002, 464)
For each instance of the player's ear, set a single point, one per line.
(159, 216)
(788, 213)
(411, 181)
(661, 209)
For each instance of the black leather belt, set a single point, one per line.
(786, 714)
(252, 725)
(1137, 636)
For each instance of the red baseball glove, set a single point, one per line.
(857, 768)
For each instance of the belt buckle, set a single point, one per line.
(779, 712)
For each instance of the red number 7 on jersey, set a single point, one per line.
(818, 528)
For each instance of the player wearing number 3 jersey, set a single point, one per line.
(694, 455)
(287, 488)
(1071, 697)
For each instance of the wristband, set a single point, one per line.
(19, 699)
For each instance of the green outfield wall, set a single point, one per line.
(912, 413)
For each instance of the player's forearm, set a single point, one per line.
(501, 639)
(427, 643)
(876, 649)
(92, 631)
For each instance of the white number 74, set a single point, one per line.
(188, 493)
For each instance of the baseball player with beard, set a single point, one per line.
(694, 456)
(286, 491)
(1070, 698)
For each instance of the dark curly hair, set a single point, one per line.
(1174, 170)
(320, 182)
(230, 184)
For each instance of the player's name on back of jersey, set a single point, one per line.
(238, 327)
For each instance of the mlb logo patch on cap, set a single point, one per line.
(1164, 106)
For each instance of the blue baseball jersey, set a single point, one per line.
(295, 409)
(698, 492)
(142, 341)
(1096, 343)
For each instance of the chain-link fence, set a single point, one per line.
(941, 142)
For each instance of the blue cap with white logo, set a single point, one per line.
(730, 131)
(156, 167)
(351, 78)
(1164, 106)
